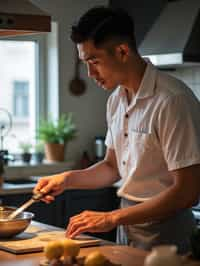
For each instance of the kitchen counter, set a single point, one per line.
(119, 254)
(13, 189)
(20, 170)
(123, 255)
(9, 189)
(30, 174)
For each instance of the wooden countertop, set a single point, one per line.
(124, 255)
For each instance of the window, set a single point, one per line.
(21, 99)
(28, 83)
(19, 86)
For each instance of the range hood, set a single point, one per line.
(21, 17)
(174, 38)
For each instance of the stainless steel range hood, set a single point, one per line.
(21, 17)
(174, 39)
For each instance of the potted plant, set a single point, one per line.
(25, 151)
(55, 135)
(39, 152)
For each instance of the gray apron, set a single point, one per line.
(174, 230)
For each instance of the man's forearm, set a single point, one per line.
(182, 194)
(159, 207)
(100, 175)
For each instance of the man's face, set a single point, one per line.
(102, 66)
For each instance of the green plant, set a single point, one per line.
(60, 131)
(39, 147)
(25, 147)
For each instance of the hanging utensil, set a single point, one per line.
(77, 85)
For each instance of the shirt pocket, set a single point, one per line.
(141, 141)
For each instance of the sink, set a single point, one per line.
(20, 181)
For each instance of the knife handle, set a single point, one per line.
(38, 196)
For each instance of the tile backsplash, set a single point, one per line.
(191, 76)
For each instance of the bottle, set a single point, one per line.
(99, 148)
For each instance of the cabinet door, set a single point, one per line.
(96, 200)
(45, 213)
(15, 200)
(69, 204)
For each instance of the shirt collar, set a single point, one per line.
(147, 85)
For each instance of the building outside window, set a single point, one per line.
(21, 99)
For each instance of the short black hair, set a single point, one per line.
(101, 24)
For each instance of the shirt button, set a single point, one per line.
(126, 115)
(126, 135)
(124, 162)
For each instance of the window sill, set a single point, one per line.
(21, 170)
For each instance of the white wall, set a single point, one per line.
(191, 76)
(89, 109)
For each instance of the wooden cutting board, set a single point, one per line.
(35, 238)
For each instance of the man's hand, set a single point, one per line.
(50, 185)
(90, 221)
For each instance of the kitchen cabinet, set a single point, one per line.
(96, 200)
(46, 213)
(69, 203)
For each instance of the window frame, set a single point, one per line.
(18, 92)
(40, 73)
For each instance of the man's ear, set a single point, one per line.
(123, 52)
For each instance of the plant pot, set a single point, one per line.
(39, 156)
(26, 157)
(54, 152)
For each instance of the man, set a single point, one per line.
(153, 140)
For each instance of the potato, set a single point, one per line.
(70, 247)
(95, 258)
(53, 250)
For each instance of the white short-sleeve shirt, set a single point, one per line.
(157, 132)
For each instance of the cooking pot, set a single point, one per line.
(10, 228)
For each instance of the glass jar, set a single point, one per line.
(164, 255)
